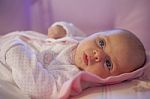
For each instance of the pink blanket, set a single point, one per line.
(84, 80)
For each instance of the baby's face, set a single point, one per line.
(105, 54)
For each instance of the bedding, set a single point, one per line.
(138, 88)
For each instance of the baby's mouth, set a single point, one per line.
(85, 58)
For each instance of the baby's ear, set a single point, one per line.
(56, 32)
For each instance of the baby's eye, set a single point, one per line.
(101, 43)
(108, 64)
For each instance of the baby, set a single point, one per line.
(40, 67)
(108, 53)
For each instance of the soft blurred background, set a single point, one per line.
(89, 15)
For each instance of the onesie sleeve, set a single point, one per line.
(28, 74)
(71, 29)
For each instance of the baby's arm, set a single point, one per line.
(63, 29)
(28, 74)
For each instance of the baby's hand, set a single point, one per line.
(56, 32)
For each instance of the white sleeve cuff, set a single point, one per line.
(70, 28)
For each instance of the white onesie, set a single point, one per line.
(38, 67)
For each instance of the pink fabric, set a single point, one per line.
(84, 79)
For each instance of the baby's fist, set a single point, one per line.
(56, 32)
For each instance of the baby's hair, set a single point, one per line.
(139, 47)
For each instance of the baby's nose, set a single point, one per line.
(98, 55)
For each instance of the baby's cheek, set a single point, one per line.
(78, 62)
(98, 70)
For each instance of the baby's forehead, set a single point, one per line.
(121, 35)
(114, 32)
